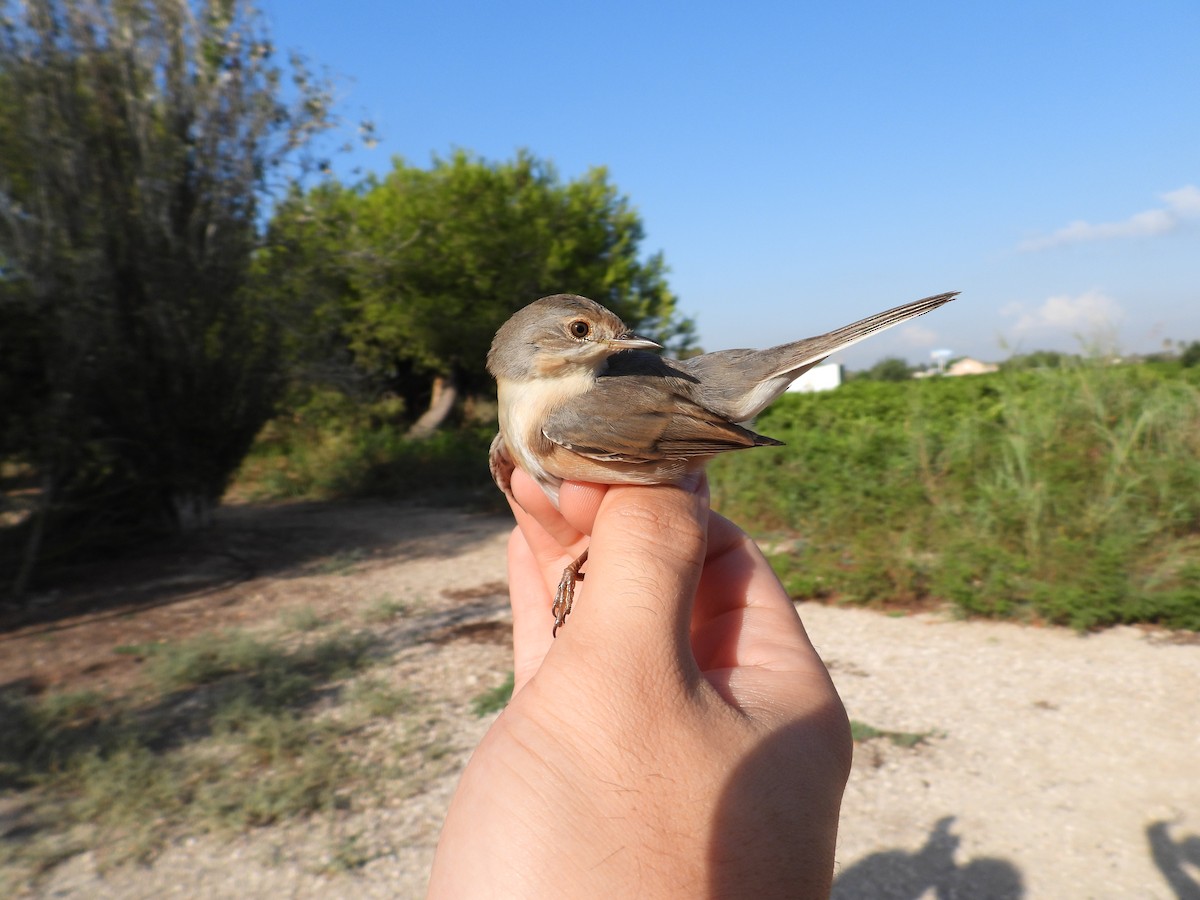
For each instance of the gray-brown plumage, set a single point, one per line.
(582, 399)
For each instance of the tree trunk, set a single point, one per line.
(445, 393)
(34, 545)
(190, 511)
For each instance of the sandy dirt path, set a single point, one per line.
(1054, 765)
(1061, 765)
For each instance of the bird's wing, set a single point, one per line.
(643, 419)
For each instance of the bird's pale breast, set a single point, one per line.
(523, 409)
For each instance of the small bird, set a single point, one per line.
(582, 399)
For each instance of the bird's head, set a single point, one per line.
(559, 335)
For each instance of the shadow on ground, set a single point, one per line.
(1173, 856)
(899, 875)
(246, 542)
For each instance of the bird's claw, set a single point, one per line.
(563, 598)
(564, 595)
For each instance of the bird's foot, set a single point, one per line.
(564, 596)
(501, 465)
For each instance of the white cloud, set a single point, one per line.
(1186, 200)
(1179, 205)
(1084, 312)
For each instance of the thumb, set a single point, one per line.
(646, 553)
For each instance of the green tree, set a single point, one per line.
(137, 138)
(1190, 355)
(437, 258)
(306, 272)
(1038, 359)
(891, 368)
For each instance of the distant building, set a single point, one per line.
(968, 366)
(964, 366)
(818, 378)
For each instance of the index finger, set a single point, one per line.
(550, 535)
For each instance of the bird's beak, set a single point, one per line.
(630, 341)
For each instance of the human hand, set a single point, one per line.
(680, 738)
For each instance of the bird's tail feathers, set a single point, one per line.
(801, 356)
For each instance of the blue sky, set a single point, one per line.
(804, 165)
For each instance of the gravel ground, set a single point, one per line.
(1054, 765)
(1062, 766)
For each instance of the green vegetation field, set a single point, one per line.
(1067, 495)
(1064, 495)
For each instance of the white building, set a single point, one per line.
(818, 378)
(968, 366)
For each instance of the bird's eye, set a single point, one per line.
(580, 328)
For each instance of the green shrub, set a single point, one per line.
(331, 446)
(1069, 494)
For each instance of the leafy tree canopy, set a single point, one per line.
(1038, 359)
(431, 261)
(137, 138)
(891, 368)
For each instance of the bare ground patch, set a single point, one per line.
(996, 760)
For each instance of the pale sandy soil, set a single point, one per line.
(1057, 765)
